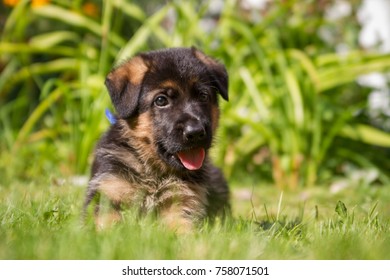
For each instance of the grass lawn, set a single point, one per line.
(42, 221)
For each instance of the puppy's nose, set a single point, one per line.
(194, 132)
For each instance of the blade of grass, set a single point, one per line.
(366, 134)
(37, 69)
(36, 115)
(52, 39)
(14, 25)
(140, 38)
(74, 19)
(254, 92)
(296, 97)
(307, 64)
(130, 9)
(20, 48)
(105, 38)
(279, 206)
(336, 76)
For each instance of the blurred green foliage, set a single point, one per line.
(296, 114)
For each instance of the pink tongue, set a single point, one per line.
(192, 159)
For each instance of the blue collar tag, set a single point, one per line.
(110, 116)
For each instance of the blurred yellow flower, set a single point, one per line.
(90, 9)
(10, 3)
(38, 3)
(34, 3)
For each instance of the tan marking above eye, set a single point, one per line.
(168, 84)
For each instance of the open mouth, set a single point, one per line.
(192, 159)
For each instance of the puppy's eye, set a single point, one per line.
(161, 101)
(204, 96)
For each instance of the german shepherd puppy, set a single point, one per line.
(154, 158)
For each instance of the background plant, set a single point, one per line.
(296, 111)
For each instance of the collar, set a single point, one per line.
(110, 116)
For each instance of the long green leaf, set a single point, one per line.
(296, 97)
(18, 48)
(105, 38)
(58, 65)
(307, 64)
(129, 9)
(18, 12)
(249, 142)
(8, 79)
(75, 19)
(36, 115)
(140, 38)
(366, 134)
(51, 39)
(253, 91)
(340, 75)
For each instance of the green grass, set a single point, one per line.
(43, 221)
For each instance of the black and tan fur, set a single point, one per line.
(136, 163)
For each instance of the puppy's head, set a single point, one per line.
(172, 96)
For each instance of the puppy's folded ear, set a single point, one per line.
(124, 86)
(217, 70)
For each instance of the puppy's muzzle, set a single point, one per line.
(196, 140)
